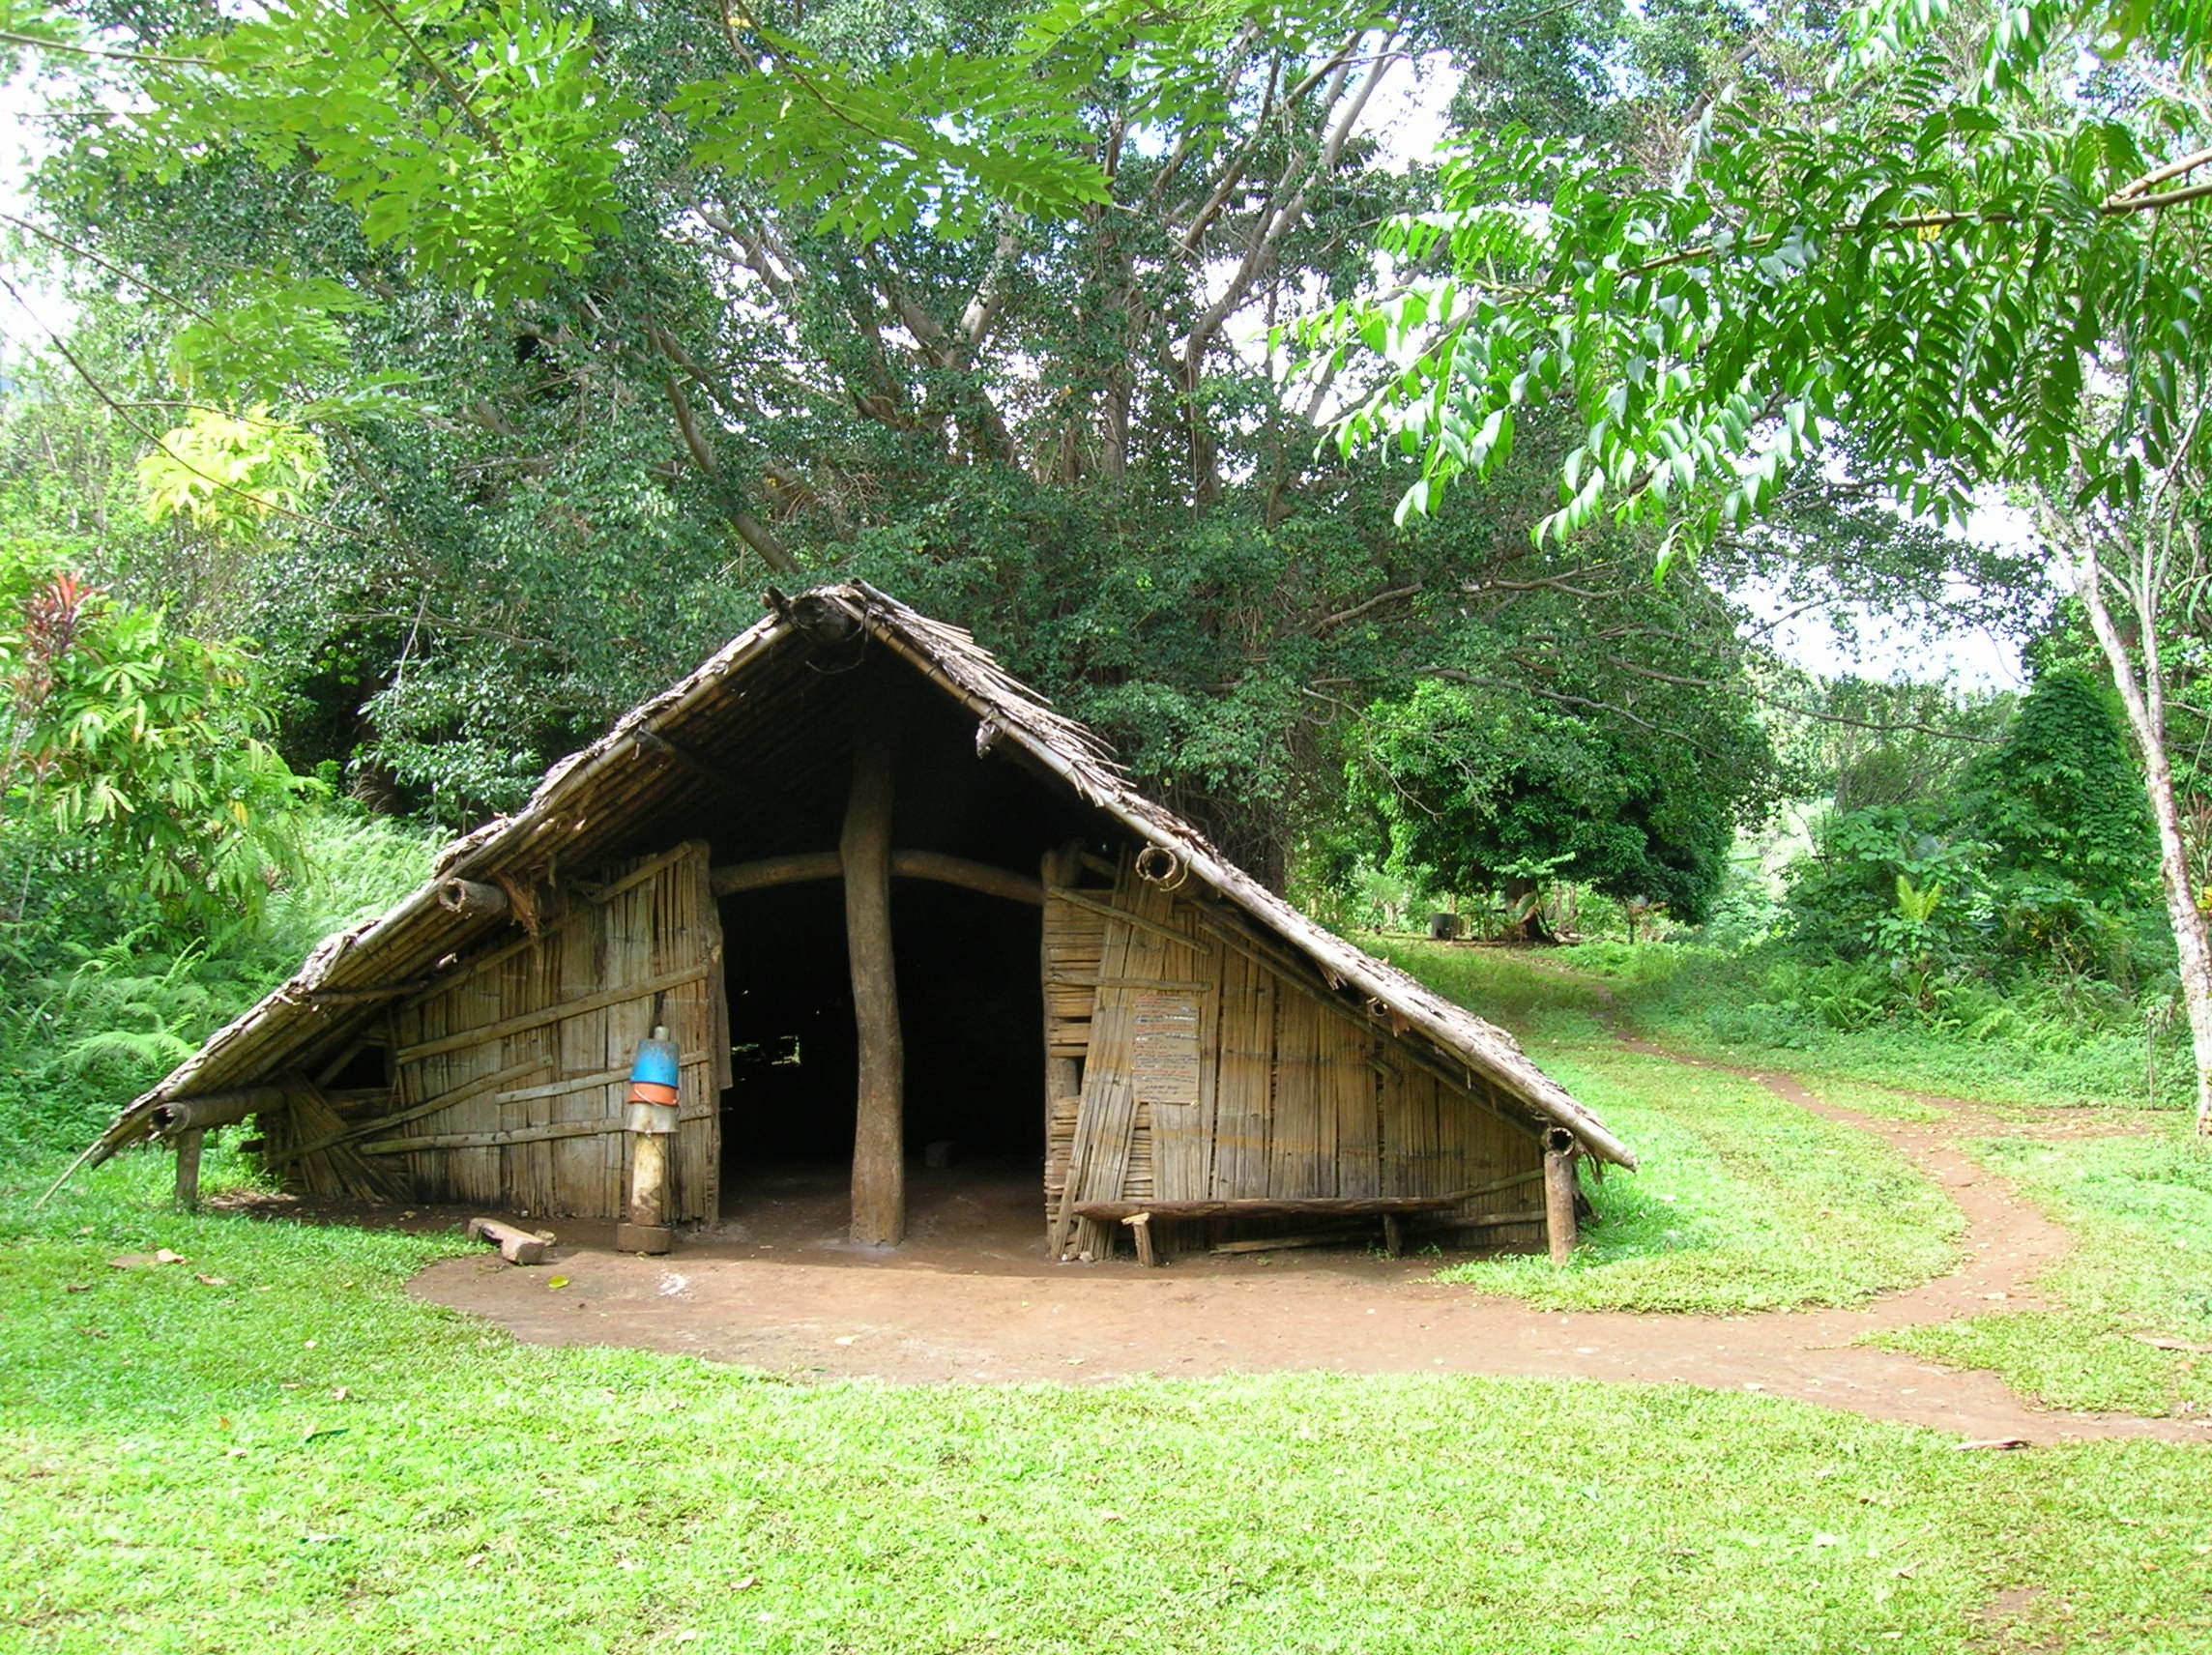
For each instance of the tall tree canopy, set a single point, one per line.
(1961, 245)
(529, 342)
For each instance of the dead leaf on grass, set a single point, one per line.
(2156, 1344)
(76, 1286)
(210, 1281)
(1993, 1442)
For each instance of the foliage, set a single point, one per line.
(220, 471)
(1884, 885)
(1054, 422)
(2060, 806)
(102, 999)
(139, 750)
(2029, 1040)
(408, 1478)
(1930, 188)
(1548, 753)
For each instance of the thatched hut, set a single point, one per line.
(883, 897)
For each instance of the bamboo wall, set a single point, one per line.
(511, 1072)
(1188, 1062)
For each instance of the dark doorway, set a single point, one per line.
(972, 1014)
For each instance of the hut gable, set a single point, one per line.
(1204, 1043)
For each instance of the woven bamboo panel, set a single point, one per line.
(1137, 960)
(1075, 938)
(546, 1085)
(1244, 1079)
(1301, 1136)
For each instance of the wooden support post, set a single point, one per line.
(1394, 1237)
(188, 1170)
(646, 1228)
(864, 850)
(1141, 1227)
(1559, 1193)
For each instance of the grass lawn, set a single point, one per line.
(2141, 1208)
(1715, 1006)
(1743, 1201)
(293, 1456)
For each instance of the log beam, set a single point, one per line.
(737, 878)
(1287, 1206)
(864, 854)
(213, 1109)
(472, 899)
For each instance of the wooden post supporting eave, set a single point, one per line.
(865, 850)
(1559, 1193)
(189, 1168)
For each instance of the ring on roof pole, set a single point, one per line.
(1161, 866)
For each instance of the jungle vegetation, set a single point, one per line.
(439, 378)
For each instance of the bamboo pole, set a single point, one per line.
(864, 850)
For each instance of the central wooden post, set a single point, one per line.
(878, 1127)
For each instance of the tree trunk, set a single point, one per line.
(2143, 697)
(879, 1126)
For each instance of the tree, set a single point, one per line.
(1935, 239)
(1549, 753)
(1051, 420)
(139, 755)
(2058, 802)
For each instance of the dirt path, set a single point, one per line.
(971, 1297)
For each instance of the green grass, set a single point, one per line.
(302, 1459)
(1747, 1202)
(1744, 1201)
(2141, 1208)
(1716, 1005)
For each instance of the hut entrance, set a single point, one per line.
(971, 1017)
(885, 995)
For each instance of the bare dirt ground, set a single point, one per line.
(971, 1297)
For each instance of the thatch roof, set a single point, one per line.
(670, 752)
